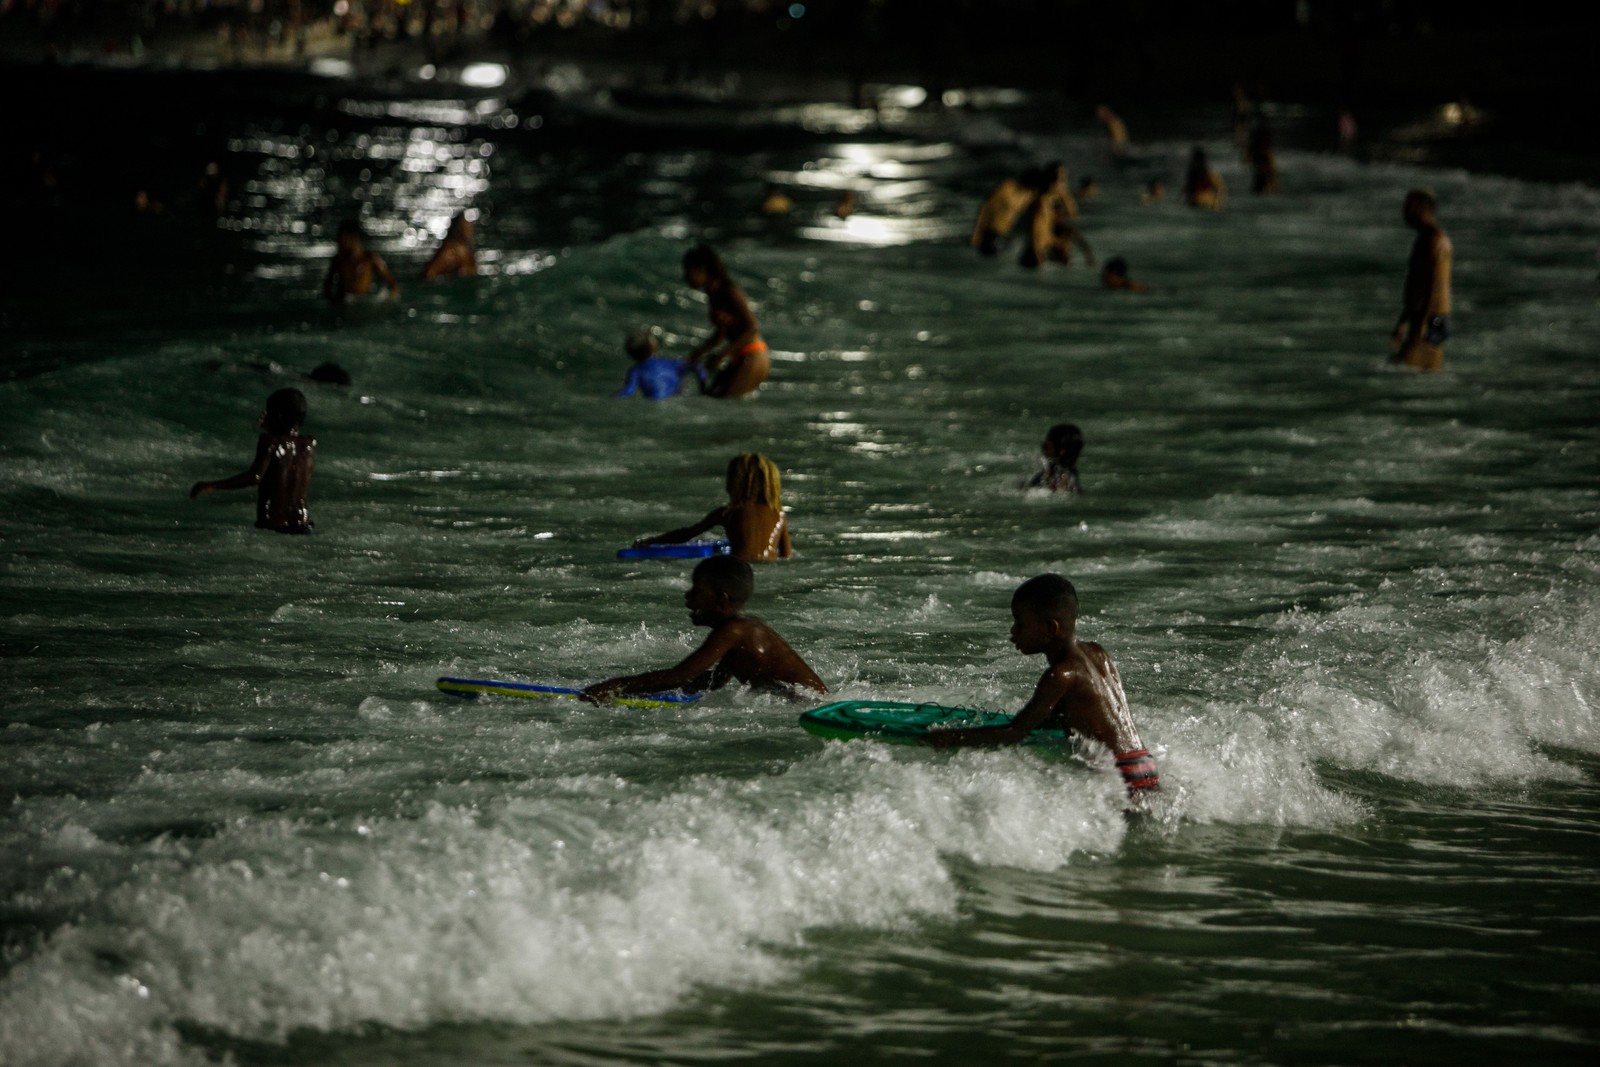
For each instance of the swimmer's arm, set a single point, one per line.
(693, 673)
(630, 386)
(381, 269)
(442, 262)
(248, 477)
(1051, 688)
(683, 533)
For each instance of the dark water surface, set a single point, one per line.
(1355, 609)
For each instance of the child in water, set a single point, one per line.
(740, 646)
(1058, 460)
(354, 266)
(654, 375)
(735, 354)
(281, 471)
(1080, 691)
(1115, 276)
(753, 517)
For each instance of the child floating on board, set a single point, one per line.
(1058, 460)
(1080, 691)
(753, 517)
(739, 647)
(652, 374)
(281, 471)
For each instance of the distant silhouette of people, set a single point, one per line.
(1263, 163)
(1202, 186)
(354, 267)
(1001, 211)
(454, 258)
(1116, 130)
(1424, 321)
(845, 206)
(1154, 193)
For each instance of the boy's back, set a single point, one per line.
(757, 655)
(285, 462)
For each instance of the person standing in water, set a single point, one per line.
(455, 258)
(735, 355)
(757, 529)
(354, 267)
(1058, 460)
(1001, 211)
(1202, 186)
(281, 470)
(1424, 321)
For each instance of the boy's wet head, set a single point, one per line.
(1047, 597)
(286, 410)
(716, 578)
(1064, 444)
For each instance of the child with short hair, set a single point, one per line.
(1058, 460)
(753, 517)
(281, 471)
(740, 647)
(652, 374)
(1080, 691)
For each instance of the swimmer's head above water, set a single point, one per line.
(719, 586)
(702, 266)
(641, 344)
(1046, 599)
(1063, 444)
(285, 412)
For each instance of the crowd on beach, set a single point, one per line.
(1080, 692)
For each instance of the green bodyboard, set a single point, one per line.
(901, 723)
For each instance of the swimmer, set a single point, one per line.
(1202, 186)
(775, 201)
(1080, 691)
(734, 354)
(1001, 211)
(1058, 460)
(1263, 163)
(455, 258)
(329, 374)
(1154, 193)
(1051, 234)
(753, 517)
(1115, 276)
(740, 647)
(354, 266)
(1424, 322)
(281, 471)
(845, 206)
(656, 376)
(1116, 130)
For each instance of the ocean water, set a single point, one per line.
(1355, 610)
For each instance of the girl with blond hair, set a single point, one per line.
(753, 517)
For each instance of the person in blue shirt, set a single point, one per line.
(652, 374)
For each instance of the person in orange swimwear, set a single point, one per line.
(735, 354)
(753, 517)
